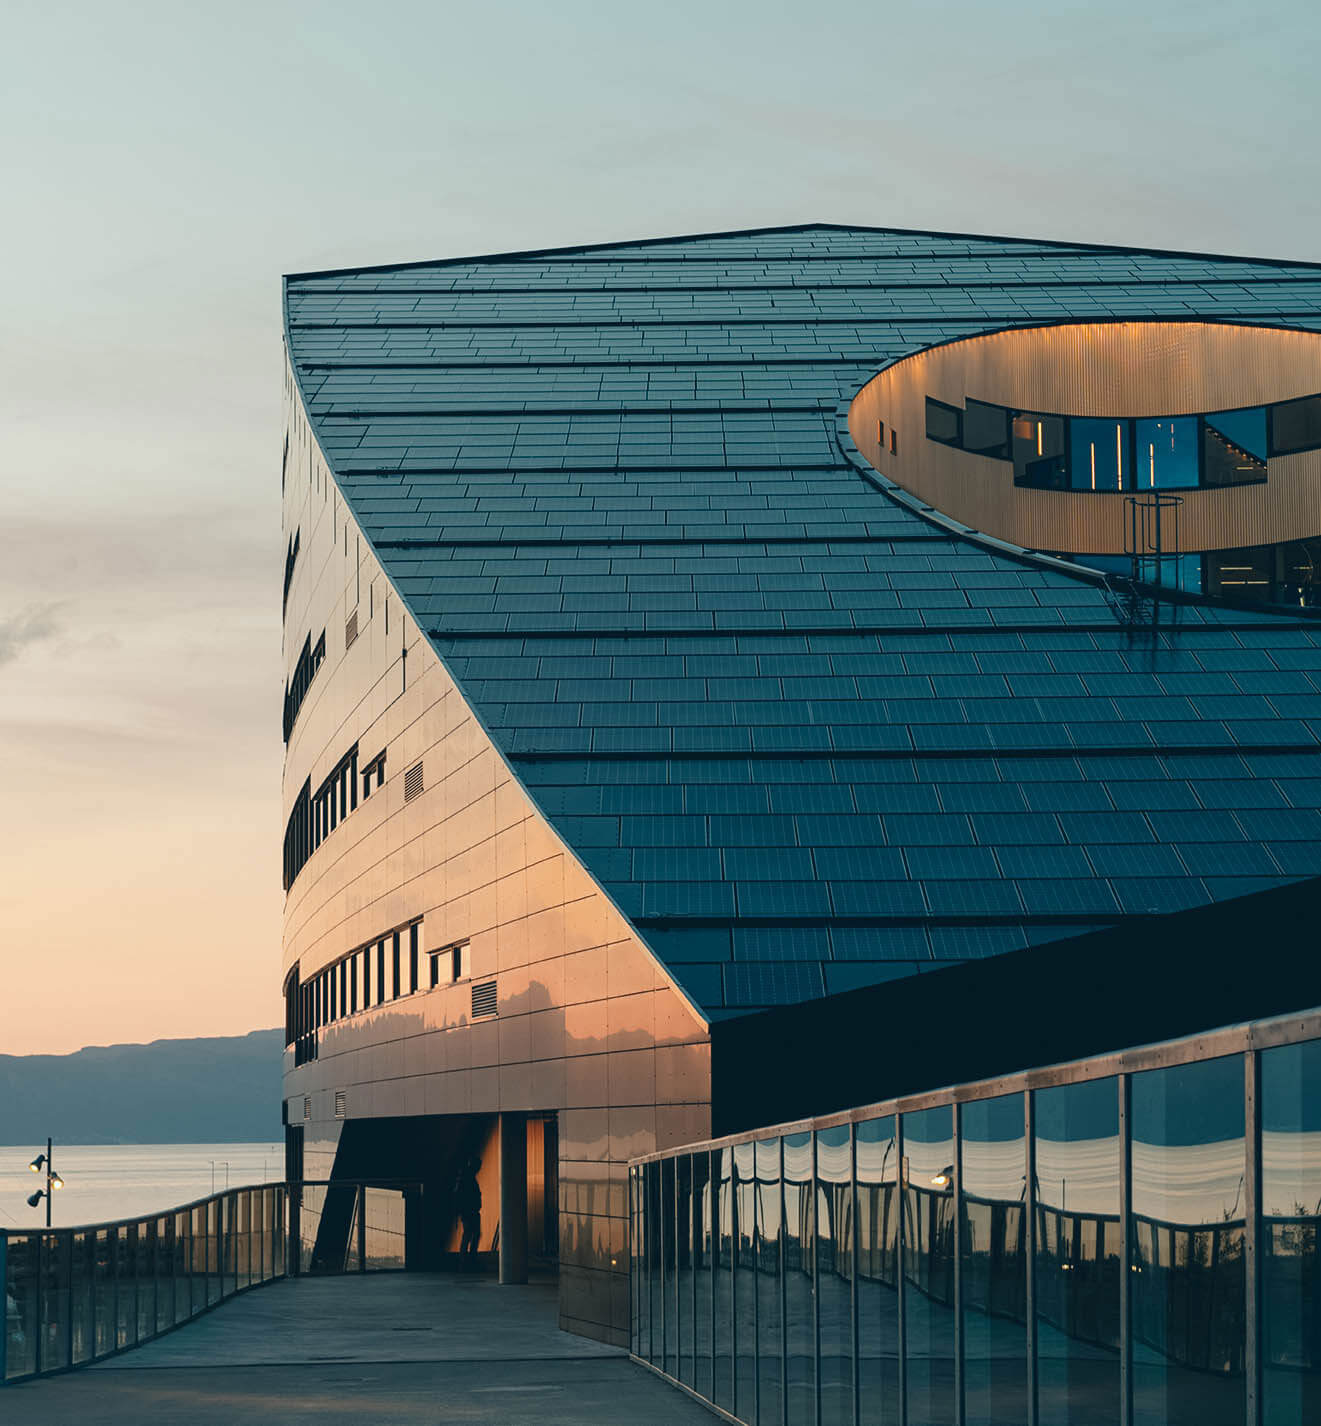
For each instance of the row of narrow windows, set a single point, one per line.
(315, 815)
(383, 970)
(309, 660)
(1103, 453)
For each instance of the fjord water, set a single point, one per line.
(103, 1182)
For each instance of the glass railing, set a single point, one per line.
(76, 1295)
(1126, 1239)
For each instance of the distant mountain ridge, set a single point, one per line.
(215, 1090)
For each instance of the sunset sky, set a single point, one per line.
(166, 163)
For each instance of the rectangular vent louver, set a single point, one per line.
(307, 1107)
(483, 999)
(350, 629)
(341, 1103)
(413, 782)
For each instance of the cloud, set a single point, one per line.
(29, 626)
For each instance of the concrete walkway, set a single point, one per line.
(379, 1350)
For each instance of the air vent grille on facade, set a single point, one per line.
(307, 1107)
(341, 1103)
(413, 782)
(350, 629)
(483, 999)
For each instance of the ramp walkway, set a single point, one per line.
(389, 1349)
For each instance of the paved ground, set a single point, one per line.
(380, 1350)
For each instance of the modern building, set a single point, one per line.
(745, 677)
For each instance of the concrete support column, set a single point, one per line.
(513, 1198)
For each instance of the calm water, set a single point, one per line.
(103, 1182)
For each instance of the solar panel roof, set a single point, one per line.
(806, 739)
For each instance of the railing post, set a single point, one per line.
(68, 1316)
(4, 1288)
(1126, 1258)
(38, 1297)
(293, 1240)
(362, 1227)
(1251, 1235)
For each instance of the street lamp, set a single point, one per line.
(53, 1180)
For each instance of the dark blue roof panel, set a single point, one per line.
(806, 739)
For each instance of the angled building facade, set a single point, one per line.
(718, 666)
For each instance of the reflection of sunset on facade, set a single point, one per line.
(682, 737)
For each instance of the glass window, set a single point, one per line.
(1165, 454)
(1300, 578)
(834, 1272)
(396, 979)
(1077, 1168)
(1295, 425)
(799, 1282)
(928, 1258)
(1038, 447)
(770, 1318)
(993, 1164)
(1186, 1264)
(877, 1153)
(1291, 1217)
(1241, 574)
(1234, 446)
(1098, 454)
(986, 430)
(944, 423)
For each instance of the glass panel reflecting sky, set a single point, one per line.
(834, 1272)
(770, 1317)
(800, 1339)
(928, 1257)
(1078, 1253)
(703, 1282)
(993, 1157)
(723, 1263)
(1187, 1261)
(745, 1285)
(878, 1271)
(1291, 1214)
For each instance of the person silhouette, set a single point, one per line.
(468, 1205)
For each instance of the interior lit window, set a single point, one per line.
(1165, 455)
(1234, 446)
(1038, 443)
(1099, 454)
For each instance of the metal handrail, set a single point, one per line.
(71, 1278)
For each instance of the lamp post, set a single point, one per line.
(53, 1180)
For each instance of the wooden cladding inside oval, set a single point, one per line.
(413, 782)
(483, 999)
